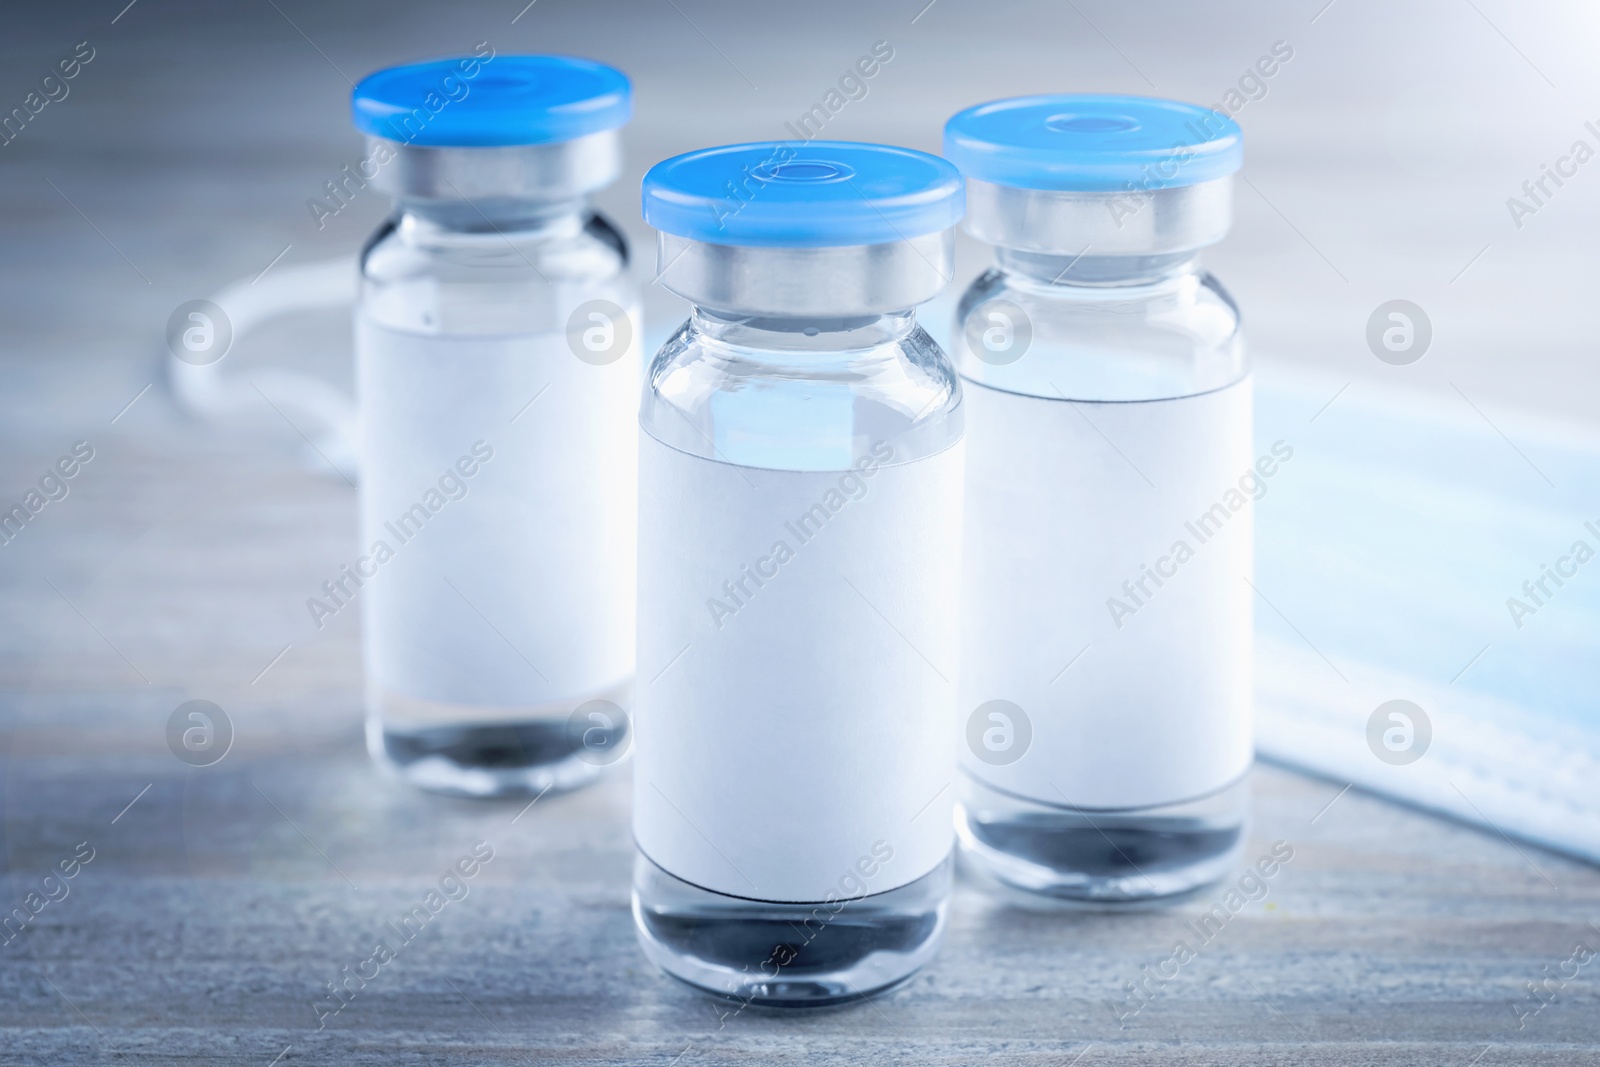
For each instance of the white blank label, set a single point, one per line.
(521, 591)
(1066, 501)
(789, 729)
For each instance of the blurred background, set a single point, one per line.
(1401, 152)
(1397, 154)
(1380, 157)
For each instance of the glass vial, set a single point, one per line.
(497, 369)
(1106, 666)
(800, 489)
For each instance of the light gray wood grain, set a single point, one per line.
(218, 905)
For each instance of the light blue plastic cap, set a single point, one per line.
(502, 100)
(1093, 143)
(795, 194)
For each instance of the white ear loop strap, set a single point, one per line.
(210, 394)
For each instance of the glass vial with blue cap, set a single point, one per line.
(800, 485)
(1106, 667)
(497, 370)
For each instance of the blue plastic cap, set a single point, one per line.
(480, 102)
(1093, 143)
(798, 194)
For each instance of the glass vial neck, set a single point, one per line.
(423, 220)
(803, 333)
(1050, 269)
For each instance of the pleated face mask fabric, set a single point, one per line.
(1428, 603)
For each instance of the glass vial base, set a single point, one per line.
(1125, 855)
(456, 750)
(788, 955)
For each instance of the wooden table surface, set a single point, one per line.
(220, 901)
